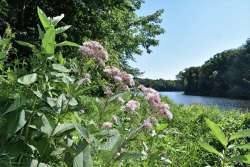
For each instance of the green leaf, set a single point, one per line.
(35, 163)
(47, 125)
(44, 19)
(29, 45)
(83, 158)
(68, 43)
(27, 79)
(217, 132)
(48, 42)
(240, 134)
(60, 68)
(242, 158)
(18, 102)
(111, 145)
(62, 29)
(16, 122)
(62, 128)
(242, 146)
(57, 19)
(210, 149)
(82, 131)
(40, 31)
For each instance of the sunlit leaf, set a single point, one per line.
(83, 158)
(240, 134)
(210, 149)
(217, 132)
(43, 18)
(62, 128)
(57, 19)
(36, 163)
(27, 79)
(48, 42)
(68, 43)
(60, 68)
(242, 158)
(62, 29)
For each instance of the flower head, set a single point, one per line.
(107, 125)
(132, 105)
(95, 50)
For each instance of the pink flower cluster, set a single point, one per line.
(149, 123)
(120, 76)
(132, 105)
(84, 80)
(94, 49)
(154, 101)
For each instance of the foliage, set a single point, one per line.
(226, 75)
(48, 119)
(162, 85)
(114, 23)
(220, 136)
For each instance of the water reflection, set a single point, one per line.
(224, 103)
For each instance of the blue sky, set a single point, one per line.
(195, 31)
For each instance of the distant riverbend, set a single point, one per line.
(223, 103)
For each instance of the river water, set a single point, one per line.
(223, 103)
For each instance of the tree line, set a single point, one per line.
(161, 84)
(227, 74)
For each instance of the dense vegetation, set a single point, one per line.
(70, 105)
(161, 84)
(114, 23)
(227, 74)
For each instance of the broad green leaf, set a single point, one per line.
(111, 145)
(62, 29)
(242, 158)
(62, 128)
(73, 102)
(16, 122)
(60, 68)
(57, 19)
(44, 19)
(83, 158)
(36, 163)
(210, 149)
(240, 134)
(217, 132)
(18, 102)
(82, 131)
(48, 42)
(27, 79)
(40, 31)
(29, 45)
(68, 43)
(4, 42)
(51, 101)
(47, 126)
(243, 146)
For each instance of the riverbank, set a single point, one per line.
(183, 134)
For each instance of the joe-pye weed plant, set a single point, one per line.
(47, 117)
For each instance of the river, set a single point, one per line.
(223, 103)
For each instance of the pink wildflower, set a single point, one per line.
(84, 80)
(148, 123)
(107, 91)
(132, 105)
(107, 125)
(95, 50)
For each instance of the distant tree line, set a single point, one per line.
(227, 74)
(161, 84)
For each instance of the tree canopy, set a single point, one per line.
(227, 74)
(114, 23)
